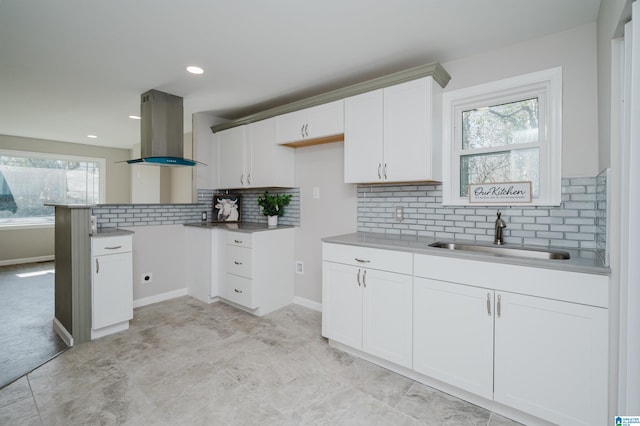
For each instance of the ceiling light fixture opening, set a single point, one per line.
(194, 70)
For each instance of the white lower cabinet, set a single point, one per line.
(111, 284)
(532, 342)
(366, 308)
(551, 359)
(258, 270)
(453, 334)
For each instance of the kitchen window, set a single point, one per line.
(505, 131)
(28, 180)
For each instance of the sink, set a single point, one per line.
(505, 251)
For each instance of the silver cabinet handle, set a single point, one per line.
(379, 174)
(489, 304)
(113, 248)
(364, 279)
(302, 131)
(249, 178)
(237, 241)
(498, 309)
(385, 171)
(306, 129)
(97, 266)
(237, 263)
(362, 260)
(237, 291)
(242, 179)
(359, 270)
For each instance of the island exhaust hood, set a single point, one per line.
(161, 130)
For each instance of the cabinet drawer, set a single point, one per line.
(111, 245)
(239, 290)
(240, 239)
(386, 260)
(239, 261)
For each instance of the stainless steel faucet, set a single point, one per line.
(500, 225)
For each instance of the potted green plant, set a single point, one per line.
(273, 206)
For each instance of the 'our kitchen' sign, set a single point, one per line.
(503, 192)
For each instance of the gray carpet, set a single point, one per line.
(27, 339)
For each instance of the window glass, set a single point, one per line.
(500, 125)
(505, 166)
(28, 181)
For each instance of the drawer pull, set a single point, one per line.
(237, 263)
(113, 248)
(237, 291)
(237, 241)
(362, 260)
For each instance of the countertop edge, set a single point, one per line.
(245, 227)
(111, 232)
(420, 245)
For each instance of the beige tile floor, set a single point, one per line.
(183, 362)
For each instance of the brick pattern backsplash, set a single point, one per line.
(602, 192)
(571, 225)
(130, 215)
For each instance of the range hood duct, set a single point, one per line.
(161, 130)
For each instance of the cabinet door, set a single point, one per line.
(551, 359)
(407, 126)
(231, 162)
(198, 262)
(290, 127)
(363, 137)
(260, 155)
(387, 308)
(342, 304)
(112, 289)
(453, 334)
(324, 120)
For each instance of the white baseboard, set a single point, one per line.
(105, 331)
(159, 297)
(26, 260)
(62, 332)
(308, 303)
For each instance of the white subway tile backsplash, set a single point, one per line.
(571, 225)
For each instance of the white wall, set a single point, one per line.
(161, 251)
(334, 213)
(575, 51)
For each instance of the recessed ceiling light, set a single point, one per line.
(194, 70)
(134, 117)
(92, 136)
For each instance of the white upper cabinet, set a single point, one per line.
(231, 157)
(205, 150)
(393, 134)
(249, 157)
(311, 123)
(270, 164)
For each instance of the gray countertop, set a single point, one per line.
(586, 261)
(247, 227)
(111, 232)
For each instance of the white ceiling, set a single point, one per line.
(69, 68)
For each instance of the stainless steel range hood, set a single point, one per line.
(161, 130)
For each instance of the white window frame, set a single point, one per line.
(547, 86)
(37, 223)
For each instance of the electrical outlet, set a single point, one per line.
(299, 267)
(399, 214)
(146, 278)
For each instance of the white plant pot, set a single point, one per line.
(272, 220)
